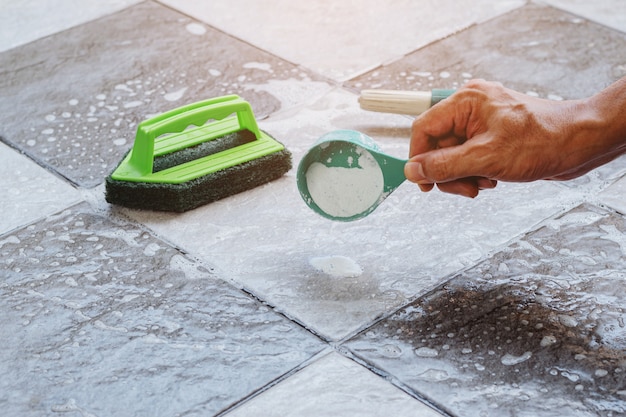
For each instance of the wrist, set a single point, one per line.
(608, 111)
(594, 131)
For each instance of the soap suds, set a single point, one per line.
(258, 65)
(132, 104)
(548, 340)
(510, 360)
(426, 352)
(196, 29)
(175, 95)
(346, 192)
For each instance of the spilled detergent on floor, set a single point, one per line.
(337, 266)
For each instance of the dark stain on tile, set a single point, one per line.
(534, 49)
(536, 330)
(73, 100)
(100, 317)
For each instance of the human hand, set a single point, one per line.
(485, 132)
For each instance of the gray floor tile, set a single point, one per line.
(343, 39)
(535, 330)
(28, 192)
(73, 100)
(535, 49)
(608, 12)
(101, 318)
(26, 21)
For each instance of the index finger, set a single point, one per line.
(435, 125)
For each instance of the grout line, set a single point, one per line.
(348, 354)
(278, 311)
(76, 24)
(242, 401)
(42, 164)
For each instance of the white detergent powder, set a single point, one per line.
(346, 192)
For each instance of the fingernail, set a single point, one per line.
(414, 172)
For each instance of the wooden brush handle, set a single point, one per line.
(401, 102)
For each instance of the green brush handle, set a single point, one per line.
(177, 120)
(439, 94)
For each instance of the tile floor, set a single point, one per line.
(506, 305)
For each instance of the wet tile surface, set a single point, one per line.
(94, 83)
(614, 196)
(100, 317)
(486, 309)
(28, 192)
(534, 51)
(338, 386)
(341, 39)
(403, 249)
(535, 330)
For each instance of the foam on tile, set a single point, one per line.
(510, 360)
(195, 29)
(426, 352)
(175, 95)
(258, 65)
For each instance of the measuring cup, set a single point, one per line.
(345, 175)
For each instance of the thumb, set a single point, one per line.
(442, 165)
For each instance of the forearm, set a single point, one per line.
(596, 131)
(608, 109)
